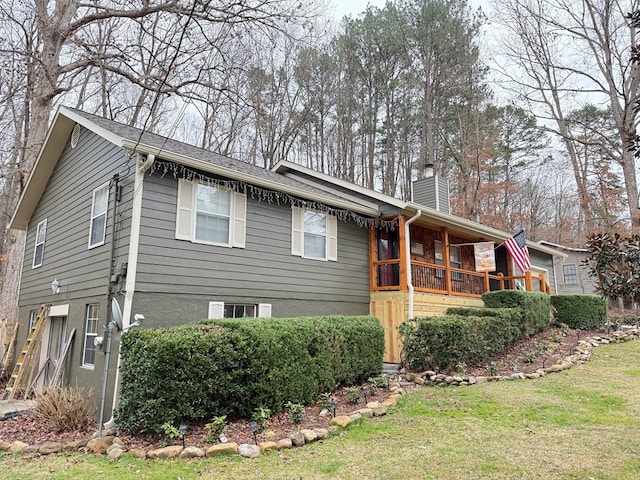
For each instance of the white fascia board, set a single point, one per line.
(89, 125)
(236, 175)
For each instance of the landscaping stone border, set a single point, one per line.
(113, 447)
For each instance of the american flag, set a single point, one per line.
(517, 247)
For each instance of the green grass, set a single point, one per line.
(575, 424)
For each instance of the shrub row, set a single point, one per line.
(474, 334)
(441, 342)
(535, 307)
(580, 311)
(222, 367)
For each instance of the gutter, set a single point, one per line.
(407, 240)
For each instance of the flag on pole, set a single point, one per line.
(517, 247)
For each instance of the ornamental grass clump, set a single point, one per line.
(63, 409)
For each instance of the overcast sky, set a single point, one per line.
(355, 7)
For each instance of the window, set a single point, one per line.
(313, 234)
(32, 318)
(90, 334)
(210, 214)
(38, 250)
(239, 310)
(570, 274)
(455, 259)
(98, 226)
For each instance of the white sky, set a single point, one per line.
(355, 7)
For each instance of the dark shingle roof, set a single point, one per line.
(165, 144)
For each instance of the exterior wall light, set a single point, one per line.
(55, 286)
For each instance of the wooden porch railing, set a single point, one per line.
(432, 278)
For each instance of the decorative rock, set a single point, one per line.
(138, 453)
(333, 429)
(269, 445)
(50, 447)
(115, 444)
(297, 438)
(191, 452)
(248, 451)
(222, 448)
(18, 447)
(4, 446)
(355, 416)
(75, 445)
(115, 454)
(321, 433)
(341, 421)
(418, 380)
(309, 435)
(532, 376)
(365, 412)
(165, 453)
(411, 377)
(284, 444)
(99, 445)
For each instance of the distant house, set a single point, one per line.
(572, 275)
(123, 222)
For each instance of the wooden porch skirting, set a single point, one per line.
(392, 309)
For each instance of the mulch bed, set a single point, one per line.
(527, 355)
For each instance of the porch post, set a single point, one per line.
(445, 259)
(528, 281)
(373, 256)
(403, 253)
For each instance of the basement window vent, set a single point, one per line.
(75, 136)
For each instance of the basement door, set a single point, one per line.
(57, 335)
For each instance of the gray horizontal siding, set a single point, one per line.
(543, 260)
(264, 271)
(66, 204)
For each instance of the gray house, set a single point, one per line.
(123, 222)
(572, 275)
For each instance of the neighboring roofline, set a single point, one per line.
(563, 247)
(428, 214)
(65, 119)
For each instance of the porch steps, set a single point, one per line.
(390, 368)
(34, 338)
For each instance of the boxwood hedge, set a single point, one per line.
(580, 311)
(474, 334)
(220, 367)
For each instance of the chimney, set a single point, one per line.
(431, 190)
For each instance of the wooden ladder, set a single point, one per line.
(17, 380)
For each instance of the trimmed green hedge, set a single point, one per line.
(442, 342)
(580, 311)
(221, 367)
(474, 334)
(535, 306)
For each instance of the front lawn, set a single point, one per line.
(580, 423)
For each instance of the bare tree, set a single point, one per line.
(55, 43)
(562, 55)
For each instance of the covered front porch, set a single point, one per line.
(421, 268)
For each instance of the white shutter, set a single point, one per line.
(297, 239)
(332, 238)
(184, 211)
(239, 220)
(264, 310)
(216, 310)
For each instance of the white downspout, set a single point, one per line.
(407, 239)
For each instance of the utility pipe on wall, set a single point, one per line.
(408, 259)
